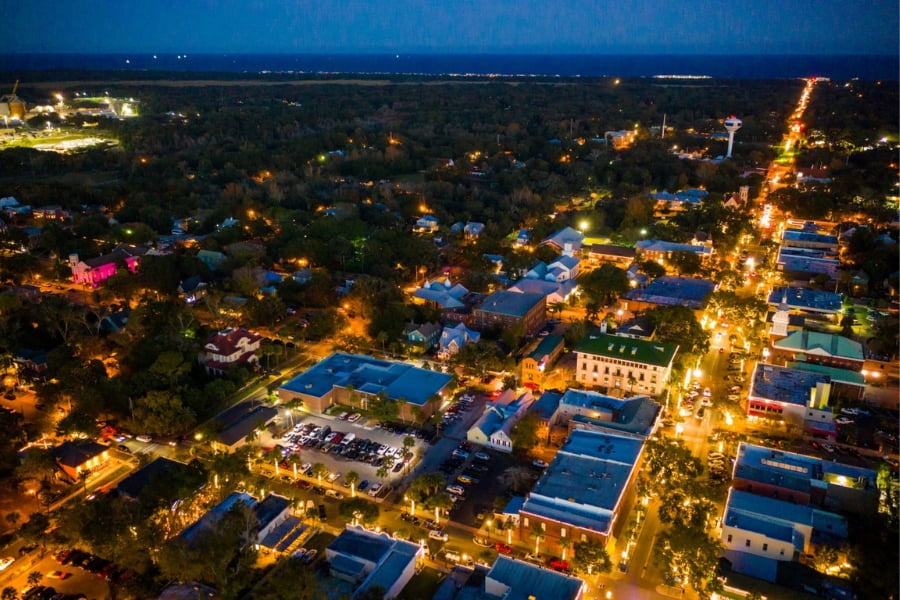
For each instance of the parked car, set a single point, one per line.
(502, 548)
(334, 494)
(4, 563)
(376, 487)
(143, 438)
(437, 534)
(540, 464)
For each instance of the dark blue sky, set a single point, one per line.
(453, 26)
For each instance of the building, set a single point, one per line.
(425, 336)
(94, 271)
(669, 291)
(805, 480)
(540, 360)
(473, 230)
(493, 428)
(427, 224)
(507, 309)
(581, 493)
(802, 266)
(623, 363)
(368, 559)
(84, 456)
(620, 256)
(230, 348)
(565, 237)
(791, 396)
(580, 409)
(554, 292)
(661, 251)
(354, 380)
(192, 289)
(819, 348)
(509, 579)
(452, 339)
(157, 476)
(845, 383)
(794, 238)
(759, 532)
(241, 420)
(442, 294)
(269, 514)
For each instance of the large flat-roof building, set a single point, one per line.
(669, 291)
(368, 559)
(509, 579)
(819, 348)
(795, 397)
(805, 480)
(624, 363)
(506, 309)
(807, 300)
(355, 380)
(581, 409)
(581, 493)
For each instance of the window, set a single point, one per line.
(729, 538)
(562, 532)
(747, 543)
(584, 539)
(765, 547)
(543, 527)
(782, 552)
(525, 522)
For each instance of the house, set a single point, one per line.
(759, 532)
(452, 339)
(356, 380)
(229, 348)
(540, 361)
(368, 559)
(270, 513)
(53, 212)
(427, 224)
(582, 409)
(523, 238)
(115, 322)
(566, 235)
(493, 429)
(805, 480)
(510, 309)
(80, 456)
(623, 363)
(31, 364)
(442, 294)
(211, 258)
(509, 579)
(563, 268)
(581, 494)
(425, 335)
(794, 397)
(819, 348)
(667, 202)
(669, 291)
(473, 230)
(192, 289)
(639, 327)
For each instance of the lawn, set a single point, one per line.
(423, 585)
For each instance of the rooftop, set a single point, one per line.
(627, 348)
(845, 376)
(270, 508)
(821, 344)
(778, 519)
(586, 480)
(806, 299)
(370, 375)
(246, 423)
(526, 581)
(792, 236)
(157, 471)
(214, 514)
(664, 246)
(547, 345)
(672, 291)
(612, 250)
(791, 386)
(797, 471)
(504, 302)
(547, 404)
(636, 415)
(566, 235)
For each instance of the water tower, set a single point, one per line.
(732, 124)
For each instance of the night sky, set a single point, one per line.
(453, 26)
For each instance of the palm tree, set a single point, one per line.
(352, 478)
(319, 470)
(440, 501)
(538, 535)
(509, 525)
(83, 477)
(564, 543)
(382, 472)
(9, 593)
(35, 578)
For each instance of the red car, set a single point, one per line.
(559, 565)
(502, 548)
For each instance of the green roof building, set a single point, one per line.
(624, 363)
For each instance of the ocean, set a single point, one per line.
(838, 67)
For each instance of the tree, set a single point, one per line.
(590, 557)
(565, 543)
(439, 502)
(292, 579)
(35, 577)
(37, 463)
(605, 284)
(319, 470)
(35, 528)
(359, 508)
(652, 269)
(13, 518)
(352, 478)
(524, 433)
(9, 593)
(679, 325)
(538, 535)
(686, 263)
(382, 472)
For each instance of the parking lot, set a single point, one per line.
(357, 446)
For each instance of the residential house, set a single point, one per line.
(229, 348)
(80, 456)
(368, 560)
(473, 230)
(270, 512)
(192, 289)
(758, 533)
(157, 475)
(582, 493)
(819, 348)
(355, 380)
(523, 238)
(53, 212)
(452, 339)
(564, 236)
(623, 363)
(493, 429)
(427, 224)
(540, 361)
(442, 293)
(425, 336)
(667, 202)
(639, 327)
(507, 309)
(31, 364)
(115, 322)
(554, 292)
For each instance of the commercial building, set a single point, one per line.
(598, 254)
(581, 493)
(269, 514)
(669, 291)
(505, 309)
(80, 456)
(805, 480)
(804, 300)
(759, 532)
(795, 397)
(354, 380)
(819, 348)
(241, 420)
(509, 579)
(795, 238)
(540, 360)
(624, 363)
(368, 559)
(580, 409)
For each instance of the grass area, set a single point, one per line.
(423, 585)
(43, 139)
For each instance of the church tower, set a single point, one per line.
(780, 319)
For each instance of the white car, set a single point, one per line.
(437, 534)
(843, 421)
(374, 489)
(6, 562)
(456, 489)
(334, 494)
(144, 438)
(707, 392)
